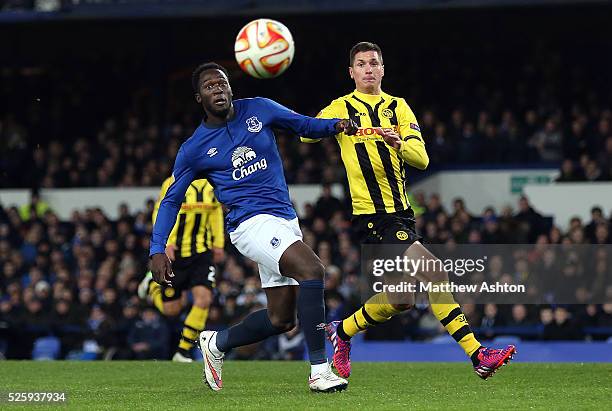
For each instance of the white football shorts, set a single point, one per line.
(264, 238)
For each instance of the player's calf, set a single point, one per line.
(282, 323)
(301, 263)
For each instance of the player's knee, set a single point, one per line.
(202, 297)
(202, 302)
(282, 323)
(314, 270)
(402, 307)
(172, 310)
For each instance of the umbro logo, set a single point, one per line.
(212, 152)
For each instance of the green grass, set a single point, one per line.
(283, 385)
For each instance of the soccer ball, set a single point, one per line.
(264, 48)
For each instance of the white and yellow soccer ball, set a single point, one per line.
(264, 48)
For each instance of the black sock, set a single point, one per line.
(255, 327)
(311, 313)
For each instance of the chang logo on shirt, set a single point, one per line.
(253, 124)
(241, 157)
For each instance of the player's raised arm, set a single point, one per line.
(169, 206)
(308, 126)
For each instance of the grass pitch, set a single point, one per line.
(283, 385)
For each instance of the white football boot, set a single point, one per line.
(327, 381)
(143, 287)
(178, 357)
(213, 364)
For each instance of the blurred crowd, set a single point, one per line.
(77, 280)
(112, 121)
(128, 153)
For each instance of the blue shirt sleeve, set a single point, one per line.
(183, 175)
(285, 118)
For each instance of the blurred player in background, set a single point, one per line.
(235, 149)
(375, 158)
(194, 246)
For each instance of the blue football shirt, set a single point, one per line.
(241, 160)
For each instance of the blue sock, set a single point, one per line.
(255, 327)
(311, 313)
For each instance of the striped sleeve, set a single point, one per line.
(412, 149)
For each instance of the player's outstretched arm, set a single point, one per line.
(169, 206)
(307, 126)
(331, 111)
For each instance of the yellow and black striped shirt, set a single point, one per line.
(199, 224)
(375, 170)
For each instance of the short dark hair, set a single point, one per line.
(211, 65)
(364, 46)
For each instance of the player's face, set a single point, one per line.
(215, 93)
(367, 71)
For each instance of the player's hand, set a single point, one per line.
(161, 269)
(171, 251)
(348, 126)
(218, 255)
(391, 137)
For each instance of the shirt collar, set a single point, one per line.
(368, 98)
